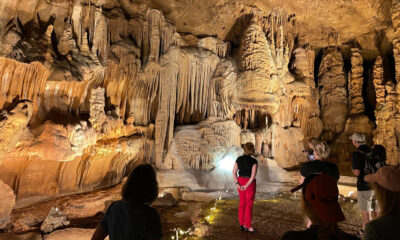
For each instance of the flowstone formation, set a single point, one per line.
(90, 89)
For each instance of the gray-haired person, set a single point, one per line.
(364, 192)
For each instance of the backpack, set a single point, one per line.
(372, 162)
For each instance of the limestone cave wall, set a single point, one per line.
(91, 88)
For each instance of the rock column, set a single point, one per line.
(356, 82)
(333, 92)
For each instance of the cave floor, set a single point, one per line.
(272, 216)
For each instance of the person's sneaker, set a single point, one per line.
(250, 230)
(242, 228)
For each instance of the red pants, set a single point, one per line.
(246, 202)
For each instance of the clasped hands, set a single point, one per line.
(241, 188)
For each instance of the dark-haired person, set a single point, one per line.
(320, 204)
(380, 151)
(386, 183)
(244, 173)
(132, 218)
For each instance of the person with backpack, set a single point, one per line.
(361, 165)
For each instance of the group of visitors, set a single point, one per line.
(133, 218)
(320, 192)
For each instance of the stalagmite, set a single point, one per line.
(356, 82)
(333, 91)
(378, 81)
(13, 125)
(67, 43)
(200, 146)
(385, 132)
(395, 11)
(97, 103)
(396, 54)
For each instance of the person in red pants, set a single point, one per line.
(244, 173)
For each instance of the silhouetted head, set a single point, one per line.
(380, 150)
(141, 186)
(248, 148)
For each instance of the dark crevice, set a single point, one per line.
(368, 90)
(317, 63)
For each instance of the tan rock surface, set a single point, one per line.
(112, 82)
(13, 125)
(7, 202)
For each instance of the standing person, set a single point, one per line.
(320, 204)
(319, 164)
(364, 192)
(386, 182)
(244, 173)
(132, 218)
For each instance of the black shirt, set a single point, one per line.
(358, 162)
(312, 234)
(245, 164)
(318, 167)
(131, 221)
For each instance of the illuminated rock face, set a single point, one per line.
(89, 89)
(7, 203)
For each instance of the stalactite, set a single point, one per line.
(73, 96)
(158, 35)
(21, 81)
(356, 82)
(164, 125)
(196, 70)
(217, 46)
(100, 41)
(224, 84)
(253, 49)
